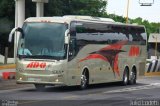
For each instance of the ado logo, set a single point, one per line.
(134, 51)
(36, 65)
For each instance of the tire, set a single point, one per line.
(132, 78)
(84, 81)
(125, 77)
(39, 87)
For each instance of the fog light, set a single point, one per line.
(57, 80)
(20, 78)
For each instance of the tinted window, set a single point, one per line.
(83, 33)
(43, 40)
(98, 33)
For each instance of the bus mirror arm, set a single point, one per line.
(21, 31)
(13, 31)
(67, 37)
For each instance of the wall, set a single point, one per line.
(10, 60)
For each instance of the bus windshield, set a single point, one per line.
(43, 41)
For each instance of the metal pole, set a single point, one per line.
(39, 9)
(127, 11)
(19, 19)
(16, 24)
(156, 47)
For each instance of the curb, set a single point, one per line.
(152, 74)
(10, 66)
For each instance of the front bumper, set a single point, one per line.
(52, 79)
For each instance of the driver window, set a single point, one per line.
(22, 50)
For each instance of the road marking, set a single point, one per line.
(145, 87)
(28, 102)
(10, 90)
(70, 97)
(155, 84)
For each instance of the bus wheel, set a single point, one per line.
(125, 77)
(40, 87)
(84, 81)
(132, 78)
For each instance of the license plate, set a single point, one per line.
(34, 79)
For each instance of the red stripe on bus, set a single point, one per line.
(94, 56)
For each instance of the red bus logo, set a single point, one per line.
(36, 65)
(134, 51)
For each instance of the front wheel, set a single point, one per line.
(84, 81)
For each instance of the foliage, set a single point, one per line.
(60, 8)
(76, 7)
(66, 7)
(115, 18)
(7, 9)
(150, 26)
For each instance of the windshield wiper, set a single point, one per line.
(41, 57)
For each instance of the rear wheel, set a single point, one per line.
(84, 80)
(132, 78)
(125, 77)
(39, 87)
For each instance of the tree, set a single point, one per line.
(7, 9)
(138, 20)
(53, 8)
(60, 8)
(75, 7)
(115, 17)
(150, 27)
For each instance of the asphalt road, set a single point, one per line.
(109, 94)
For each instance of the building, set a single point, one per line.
(154, 46)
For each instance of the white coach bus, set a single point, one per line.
(79, 50)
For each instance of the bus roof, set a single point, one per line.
(69, 18)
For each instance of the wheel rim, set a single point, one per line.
(133, 76)
(125, 78)
(83, 81)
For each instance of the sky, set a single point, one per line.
(150, 13)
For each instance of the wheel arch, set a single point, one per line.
(126, 67)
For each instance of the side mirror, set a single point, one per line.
(67, 37)
(13, 31)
